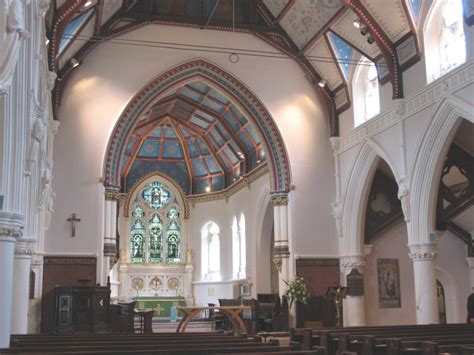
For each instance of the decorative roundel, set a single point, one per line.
(156, 283)
(173, 284)
(137, 283)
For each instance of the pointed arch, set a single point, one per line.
(447, 116)
(222, 81)
(356, 196)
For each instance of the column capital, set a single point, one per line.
(335, 144)
(423, 252)
(279, 198)
(347, 263)
(113, 195)
(10, 231)
(24, 247)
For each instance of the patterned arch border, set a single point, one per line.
(169, 180)
(236, 90)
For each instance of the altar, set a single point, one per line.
(160, 305)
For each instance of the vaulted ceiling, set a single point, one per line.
(320, 35)
(196, 136)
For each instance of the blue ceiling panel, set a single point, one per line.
(217, 137)
(131, 145)
(202, 146)
(199, 167)
(191, 94)
(246, 140)
(252, 133)
(199, 122)
(212, 164)
(185, 132)
(199, 86)
(343, 53)
(213, 105)
(230, 155)
(156, 133)
(216, 95)
(170, 133)
(231, 121)
(172, 150)
(149, 149)
(192, 148)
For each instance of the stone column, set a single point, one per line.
(8, 237)
(426, 299)
(21, 286)
(110, 233)
(470, 264)
(281, 250)
(354, 303)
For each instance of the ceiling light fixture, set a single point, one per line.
(74, 62)
(46, 41)
(208, 188)
(322, 83)
(357, 23)
(88, 3)
(370, 39)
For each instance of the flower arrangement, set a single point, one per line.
(296, 291)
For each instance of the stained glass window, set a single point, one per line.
(155, 232)
(173, 235)
(155, 228)
(155, 195)
(137, 242)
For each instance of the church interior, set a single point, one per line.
(168, 155)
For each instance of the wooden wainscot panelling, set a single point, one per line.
(318, 274)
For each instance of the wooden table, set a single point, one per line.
(233, 313)
(146, 317)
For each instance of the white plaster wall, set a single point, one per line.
(110, 76)
(390, 244)
(451, 271)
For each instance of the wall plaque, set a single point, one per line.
(355, 283)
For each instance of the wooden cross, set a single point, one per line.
(73, 221)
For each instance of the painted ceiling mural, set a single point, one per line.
(195, 135)
(322, 36)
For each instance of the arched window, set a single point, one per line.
(444, 41)
(155, 230)
(365, 92)
(210, 252)
(239, 261)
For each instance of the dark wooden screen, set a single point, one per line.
(64, 271)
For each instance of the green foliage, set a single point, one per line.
(296, 291)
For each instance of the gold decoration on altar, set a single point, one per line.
(156, 283)
(158, 309)
(173, 284)
(137, 283)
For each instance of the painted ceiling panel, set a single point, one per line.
(202, 124)
(203, 147)
(216, 95)
(322, 61)
(172, 150)
(230, 155)
(222, 131)
(192, 94)
(156, 133)
(184, 132)
(245, 139)
(170, 133)
(212, 164)
(345, 29)
(230, 119)
(275, 6)
(192, 148)
(110, 8)
(131, 145)
(149, 149)
(390, 16)
(199, 167)
(203, 88)
(213, 105)
(217, 137)
(414, 6)
(252, 134)
(307, 17)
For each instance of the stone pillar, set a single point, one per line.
(21, 286)
(354, 303)
(110, 233)
(426, 299)
(188, 278)
(8, 237)
(281, 249)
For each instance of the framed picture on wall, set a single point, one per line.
(388, 276)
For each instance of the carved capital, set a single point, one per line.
(23, 252)
(51, 80)
(11, 231)
(112, 195)
(335, 144)
(280, 199)
(399, 107)
(350, 262)
(278, 263)
(423, 252)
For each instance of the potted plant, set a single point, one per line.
(297, 294)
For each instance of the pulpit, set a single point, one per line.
(81, 309)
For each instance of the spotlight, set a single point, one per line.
(88, 3)
(370, 39)
(357, 23)
(208, 188)
(322, 83)
(46, 41)
(74, 62)
(258, 161)
(364, 30)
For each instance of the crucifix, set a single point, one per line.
(73, 221)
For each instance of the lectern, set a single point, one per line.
(337, 293)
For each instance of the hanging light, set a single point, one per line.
(322, 83)
(357, 23)
(364, 30)
(208, 188)
(370, 39)
(74, 62)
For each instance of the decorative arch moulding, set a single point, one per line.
(222, 81)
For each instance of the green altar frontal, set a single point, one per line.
(160, 305)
